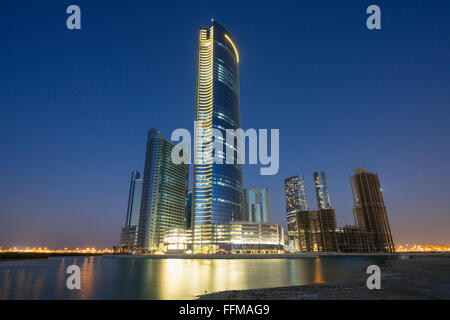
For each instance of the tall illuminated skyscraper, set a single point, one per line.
(128, 235)
(294, 188)
(369, 210)
(134, 199)
(164, 191)
(321, 188)
(217, 190)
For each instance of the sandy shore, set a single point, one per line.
(419, 277)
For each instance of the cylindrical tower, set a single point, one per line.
(217, 187)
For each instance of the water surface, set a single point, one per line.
(119, 278)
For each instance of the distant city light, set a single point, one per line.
(422, 248)
(65, 250)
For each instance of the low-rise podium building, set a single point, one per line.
(236, 237)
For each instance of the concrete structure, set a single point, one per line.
(354, 239)
(369, 209)
(317, 231)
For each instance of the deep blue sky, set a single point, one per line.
(76, 105)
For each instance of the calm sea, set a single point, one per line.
(115, 278)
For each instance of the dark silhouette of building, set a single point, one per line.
(354, 239)
(327, 222)
(317, 231)
(308, 229)
(369, 209)
(189, 215)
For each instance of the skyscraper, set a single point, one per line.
(128, 236)
(369, 209)
(134, 199)
(321, 188)
(294, 188)
(217, 190)
(189, 216)
(257, 205)
(164, 191)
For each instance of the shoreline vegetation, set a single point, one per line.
(419, 276)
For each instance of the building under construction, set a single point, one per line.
(317, 231)
(369, 209)
(354, 239)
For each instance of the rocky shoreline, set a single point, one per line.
(418, 277)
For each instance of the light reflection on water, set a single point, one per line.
(115, 278)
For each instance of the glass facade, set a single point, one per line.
(134, 200)
(294, 188)
(189, 216)
(128, 237)
(164, 192)
(128, 234)
(321, 188)
(256, 205)
(236, 237)
(217, 189)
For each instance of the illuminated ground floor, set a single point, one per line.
(235, 238)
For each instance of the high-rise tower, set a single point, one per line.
(164, 191)
(134, 199)
(294, 188)
(128, 235)
(189, 215)
(369, 210)
(217, 190)
(257, 205)
(321, 188)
